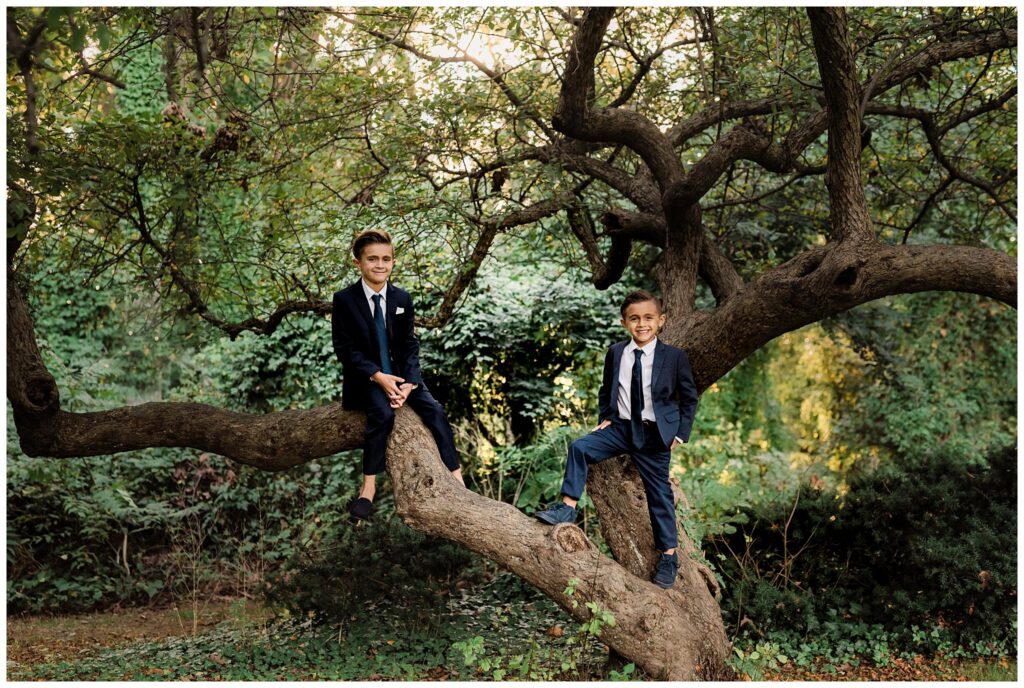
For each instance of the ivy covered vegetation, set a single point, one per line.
(852, 483)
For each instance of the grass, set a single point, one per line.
(978, 670)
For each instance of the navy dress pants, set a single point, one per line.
(380, 420)
(651, 462)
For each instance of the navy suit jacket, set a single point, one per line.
(355, 341)
(672, 390)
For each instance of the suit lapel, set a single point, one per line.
(617, 363)
(392, 306)
(363, 305)
(658, 364)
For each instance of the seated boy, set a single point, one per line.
(372, 329)
(647, 401)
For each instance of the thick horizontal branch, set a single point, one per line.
(824, 281)
(271, 442)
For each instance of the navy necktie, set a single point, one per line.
(636, 401)
(382, 336)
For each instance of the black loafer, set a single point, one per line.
(359, 510)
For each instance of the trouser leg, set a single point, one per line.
(653, 465)
(593, 448)
(433, 416)
(380, 420)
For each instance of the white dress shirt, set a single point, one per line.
(370, 293)
(626, 379)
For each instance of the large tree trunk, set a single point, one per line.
(674, 635)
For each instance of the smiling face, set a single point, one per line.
(375, 263)
(643, 320)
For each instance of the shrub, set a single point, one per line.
(931, 544)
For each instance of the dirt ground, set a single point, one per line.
(34, 640)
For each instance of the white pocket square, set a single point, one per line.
(399, 310)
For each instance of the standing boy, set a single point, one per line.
(372, 328)
(647, 401)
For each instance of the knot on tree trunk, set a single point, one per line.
(570, 538)
(41, 395)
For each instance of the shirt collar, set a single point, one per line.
(647, 348)
(370, 293)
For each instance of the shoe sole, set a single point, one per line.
(552, 523)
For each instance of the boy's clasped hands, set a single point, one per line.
(395, 387)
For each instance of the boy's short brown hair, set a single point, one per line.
(368, 237)
(639, 296)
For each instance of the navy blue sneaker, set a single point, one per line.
(668, 565)
(559, 512)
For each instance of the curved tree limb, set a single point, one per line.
(782, 157)
(644, 65)
(934, 132)
(722, 112)
(946, 51)
(575, 117)
(604, 271)
(824, 281)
